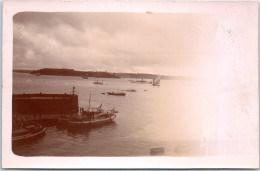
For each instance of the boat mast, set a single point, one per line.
(96, 76)
(89, 101)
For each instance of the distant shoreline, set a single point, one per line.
(67, 72)
(99, 74)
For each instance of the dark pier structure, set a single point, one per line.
(44, 107)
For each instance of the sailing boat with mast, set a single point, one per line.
(156, 81)
(92, 117)
(98, 82)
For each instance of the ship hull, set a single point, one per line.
(91, 123)
(28, 136)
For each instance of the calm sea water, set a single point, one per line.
(153, 116)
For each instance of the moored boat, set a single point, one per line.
(89, 119)
(156, 81)
(85, 77)
(116, 93)
(98, 82)
(130, 90)
(26, 133)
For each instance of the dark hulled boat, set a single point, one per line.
(116, 93)
(89, 119)
(24, 133)
(98, 82)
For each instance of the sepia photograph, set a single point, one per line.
(172, 82)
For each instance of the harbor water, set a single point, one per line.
(165, 116)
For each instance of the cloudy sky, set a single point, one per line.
(158, 43)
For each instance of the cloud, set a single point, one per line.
(120, 42)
